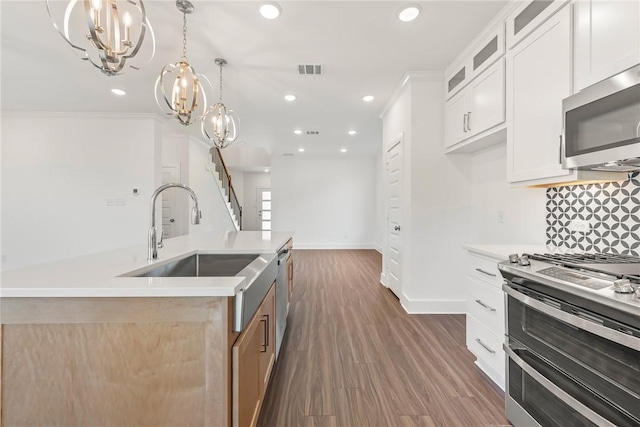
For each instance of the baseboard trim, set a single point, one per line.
(433, 306)
(383, 280)
(334, 246)
(378, 248)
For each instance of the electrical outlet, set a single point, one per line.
(580, 226)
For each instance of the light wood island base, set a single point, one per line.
(116, 361)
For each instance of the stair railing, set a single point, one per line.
(225, 178)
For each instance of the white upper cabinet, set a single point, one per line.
(477, 105)
(538, 78)
(528, 16)
(606, 39)
(485, 52)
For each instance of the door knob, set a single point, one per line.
(172, 220)
(397, 228)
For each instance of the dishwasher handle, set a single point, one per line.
(283, 254)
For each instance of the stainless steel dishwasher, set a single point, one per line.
(281, 297)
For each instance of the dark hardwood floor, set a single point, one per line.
(352, 356)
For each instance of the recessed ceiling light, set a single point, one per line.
(409, 13)
(266, 170)
(352, 132)
(118, 92)
(368, 98)
(301, 150)
(270, 10)
(297, 131)
(343, 150)
(290, 97)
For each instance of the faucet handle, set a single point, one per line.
(161, 242)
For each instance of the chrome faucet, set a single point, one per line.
(195, 216)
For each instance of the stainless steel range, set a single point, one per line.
(573, 340)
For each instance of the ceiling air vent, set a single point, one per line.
(313, 132)
(310, 69)
(287, 154)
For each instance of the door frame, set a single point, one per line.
(259, 208)
(384, 279)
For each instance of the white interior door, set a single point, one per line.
(264, 209)
(393, 251)
(171, 202)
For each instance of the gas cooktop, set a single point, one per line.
(609, 279)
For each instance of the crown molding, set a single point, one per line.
(82, 115)
(431, 76)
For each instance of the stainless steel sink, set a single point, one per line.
(203, 265)
(259, 271)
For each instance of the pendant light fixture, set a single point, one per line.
(107, 33)
(219, 124)
(179, 89)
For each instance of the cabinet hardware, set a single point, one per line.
(489, 349)
(396, 228)
(560, 151)
(469, 121)
(464, 123)
(485, 272)
(266, 334)
(488, 307)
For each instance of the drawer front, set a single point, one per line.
(485, 269)
(486, 345)
(485, 303)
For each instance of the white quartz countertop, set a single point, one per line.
(97, 275)
(503, 251)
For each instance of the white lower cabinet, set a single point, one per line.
(485, 316)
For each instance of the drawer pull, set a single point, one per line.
(488, 307)
(485, 272)
(486, 347)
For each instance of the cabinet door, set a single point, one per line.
(268, 344)
(607, 39)
(538, 78)
(455, 113)
(247, 384)
(528, 16)
(486, 95)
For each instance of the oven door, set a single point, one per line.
(565, 367)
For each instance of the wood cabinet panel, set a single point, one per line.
(253, 357)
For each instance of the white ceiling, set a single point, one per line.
(364, 48)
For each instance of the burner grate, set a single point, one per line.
(597, 258)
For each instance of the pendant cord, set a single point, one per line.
(184, 37)
(220, 83)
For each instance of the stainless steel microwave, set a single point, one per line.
(602, 125)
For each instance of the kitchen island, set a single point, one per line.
(82, 345)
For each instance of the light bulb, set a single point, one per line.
(96, 4)
(126, 19)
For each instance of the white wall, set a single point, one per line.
(523, 209)
(215, 216)
(328, 202)
(435, 200)
(252, 181)
(175, 152)
(60, 172)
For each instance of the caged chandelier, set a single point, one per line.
(107, 33)
(179, 89)
(219, 124)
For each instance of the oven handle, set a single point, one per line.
(557, 391)
(608, 333)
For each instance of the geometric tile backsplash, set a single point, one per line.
(612, 209)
